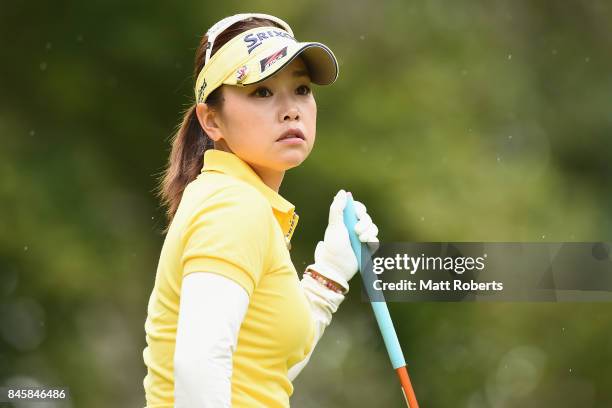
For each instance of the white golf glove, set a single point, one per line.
(334, 257)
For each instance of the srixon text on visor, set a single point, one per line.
(255, 40)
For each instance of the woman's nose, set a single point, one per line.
(290, 114)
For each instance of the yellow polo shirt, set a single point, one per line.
(230, 223)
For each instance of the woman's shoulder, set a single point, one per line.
(232, 207)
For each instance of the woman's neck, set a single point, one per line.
(271, 178)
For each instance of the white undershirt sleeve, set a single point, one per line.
(323, 303)
(212, 308)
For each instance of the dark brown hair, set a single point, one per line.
(190, 141)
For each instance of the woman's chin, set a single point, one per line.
(290, 160)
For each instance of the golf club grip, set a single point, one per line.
(381, 312)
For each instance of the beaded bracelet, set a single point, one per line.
(324, 281)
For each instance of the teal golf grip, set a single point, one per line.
(381, 312)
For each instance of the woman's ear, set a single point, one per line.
(209, 120)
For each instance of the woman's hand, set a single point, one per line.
(334, 257)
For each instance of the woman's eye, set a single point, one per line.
(262, 92)
(303, 90)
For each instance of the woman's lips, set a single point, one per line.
(294, 135)
(291, 140)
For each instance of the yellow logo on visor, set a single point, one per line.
(201, 91)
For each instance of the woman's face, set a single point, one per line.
(255, 116)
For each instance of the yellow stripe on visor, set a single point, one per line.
(256, 54)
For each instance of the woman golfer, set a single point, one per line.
(229, 321)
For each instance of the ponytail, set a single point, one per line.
(185, 162)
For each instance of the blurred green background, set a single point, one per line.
(451, 121)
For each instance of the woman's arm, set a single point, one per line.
(336, 262)
(212, 308)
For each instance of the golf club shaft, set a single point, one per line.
(407, 389)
